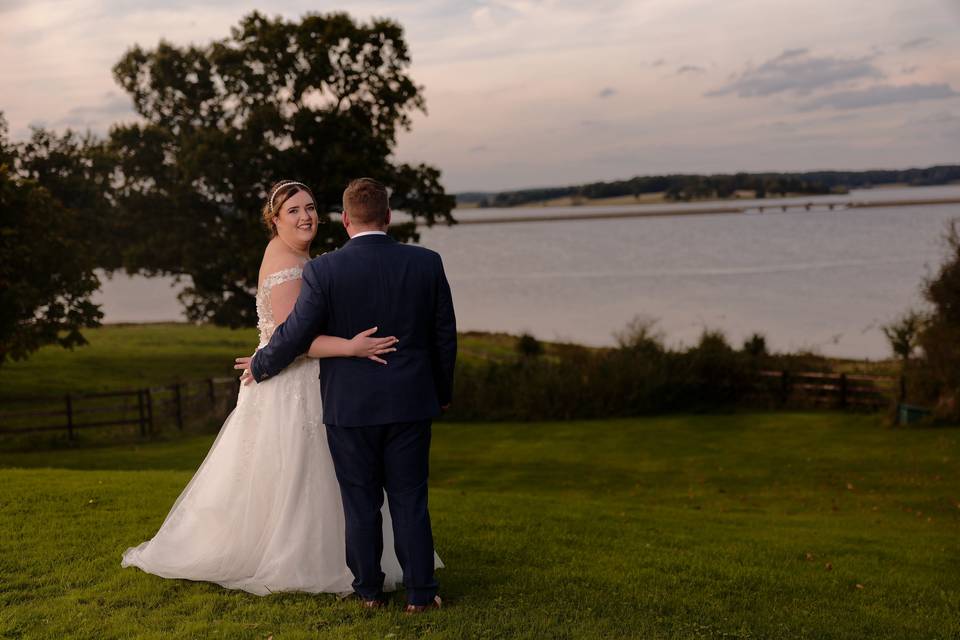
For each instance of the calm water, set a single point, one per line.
(825, 280)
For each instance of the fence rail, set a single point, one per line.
(837, 390)
(145, 408)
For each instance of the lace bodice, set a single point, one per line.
(265, 321)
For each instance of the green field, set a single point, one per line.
(136, 355)
(753, 525)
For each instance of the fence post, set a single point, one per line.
(69, 418)
(784, 386)
(149, 396)
(143, 416)
(903, 388)
(211, 391)
(843, 391)
(179, 402)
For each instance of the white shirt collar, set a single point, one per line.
(369, 233)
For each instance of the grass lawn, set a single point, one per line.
(752, 525)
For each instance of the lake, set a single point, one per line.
(821, 279)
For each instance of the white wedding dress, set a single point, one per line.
(263, 512)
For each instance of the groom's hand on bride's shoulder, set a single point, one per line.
(244, 363)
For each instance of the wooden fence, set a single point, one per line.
(148, 408)
(827, 390)
(181, 403)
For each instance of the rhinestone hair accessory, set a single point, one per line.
(285, 183)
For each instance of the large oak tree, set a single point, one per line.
(319, 100)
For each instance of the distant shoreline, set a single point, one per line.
(679, 187)
(755, 208)
(660, 198)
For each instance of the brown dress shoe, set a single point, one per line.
(423, 608)
(374, 604)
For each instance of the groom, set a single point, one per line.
(378, 417)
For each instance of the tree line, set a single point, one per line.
(685, 187)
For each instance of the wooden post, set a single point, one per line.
(212, 392)
(142, 412)
(784, 386)
(903, 387)
(178, 399)
(843, 391)
(149, 397)
(69, 418)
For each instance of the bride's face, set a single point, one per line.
(297, 220)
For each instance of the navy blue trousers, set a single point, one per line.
(368, 460)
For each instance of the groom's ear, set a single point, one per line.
(386, 221)
(345, 219)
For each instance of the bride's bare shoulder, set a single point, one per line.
(278, 257)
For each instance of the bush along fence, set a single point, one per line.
(147, 410)
(621, 383)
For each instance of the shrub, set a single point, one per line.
(755, 345)
(639, 377)
(528, 346)
(934, 378)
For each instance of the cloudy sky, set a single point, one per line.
(533, 93)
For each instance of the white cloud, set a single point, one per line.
(882, 95)
(796, 71)
(917, 43)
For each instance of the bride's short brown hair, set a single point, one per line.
(366, 201)
(279, 193)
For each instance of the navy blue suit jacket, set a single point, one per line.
(373, 281)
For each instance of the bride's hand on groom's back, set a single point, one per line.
(364, 345)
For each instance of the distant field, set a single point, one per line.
(754, 525)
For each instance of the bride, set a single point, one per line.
(263, 512)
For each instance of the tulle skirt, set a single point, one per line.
(263, 512)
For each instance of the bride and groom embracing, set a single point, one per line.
(290, 496)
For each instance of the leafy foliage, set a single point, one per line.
(528, 346)
(903, 334)
(935, 377)
(319, 100)
(755, 345)
(641, 376)
(48, 247)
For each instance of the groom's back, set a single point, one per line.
(401, 289)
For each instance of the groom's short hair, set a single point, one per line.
(366, 201)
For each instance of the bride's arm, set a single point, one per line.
(363, 345)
